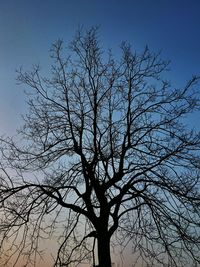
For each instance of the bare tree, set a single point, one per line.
(105, 156)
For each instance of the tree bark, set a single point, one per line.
(104, 256)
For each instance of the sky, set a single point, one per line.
(29, 27)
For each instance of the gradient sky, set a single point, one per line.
(29, 27)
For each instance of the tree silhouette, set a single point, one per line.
(105, 156)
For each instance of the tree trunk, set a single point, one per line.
(104, 256)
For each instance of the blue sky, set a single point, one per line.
(29, 27)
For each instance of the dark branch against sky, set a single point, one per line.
(28, 28)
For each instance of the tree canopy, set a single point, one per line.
(106, 156)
